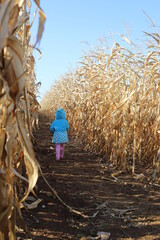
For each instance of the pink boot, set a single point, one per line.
(62, 151)
(58, 149)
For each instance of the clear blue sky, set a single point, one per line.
(71, 22)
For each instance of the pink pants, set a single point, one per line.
(59, 151)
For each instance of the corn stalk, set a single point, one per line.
(112, 103)
(15, 145)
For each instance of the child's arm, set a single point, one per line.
(67, 126)
(52, 127)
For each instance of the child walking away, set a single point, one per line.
(59, 128)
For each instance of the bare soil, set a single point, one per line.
(126, 206)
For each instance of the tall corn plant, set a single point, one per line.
(112, 103)
(17, 160)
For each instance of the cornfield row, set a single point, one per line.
(112, 102)
(18, 109)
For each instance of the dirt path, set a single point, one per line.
(122, 205)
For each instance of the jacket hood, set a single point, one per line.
(60, 114)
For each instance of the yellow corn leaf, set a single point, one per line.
(42, 19)
(29, 156)
(38, 3)
(13, 17)
(126, 39)
(14, 74)
(6, 8)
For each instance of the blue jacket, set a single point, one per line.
(60, 127)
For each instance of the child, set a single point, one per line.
(60, 127)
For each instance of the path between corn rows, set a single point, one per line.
(124, 206)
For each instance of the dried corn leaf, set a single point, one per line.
(32, 205)
(6, 8)
(14, 74)
(13, 18)
(29, 156)
(42, 19)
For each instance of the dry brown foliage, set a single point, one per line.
(18, 166)
(112, 104)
